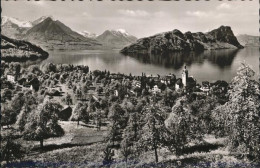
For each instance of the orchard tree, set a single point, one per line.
(43, 122)
(6, 95)
(80, 113)
(8, 116)
(114, 134)
(118, 115)
(68, 99)
(153, 131)
(125, 148)
(242, 122)
(108, 155)
(10, 150)
(182, 126)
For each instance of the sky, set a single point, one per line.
(142, 18)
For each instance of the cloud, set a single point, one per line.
(159, 14)
(197, 14)
(86, 14)
(223, 6)
(133, 13)
(38, 3)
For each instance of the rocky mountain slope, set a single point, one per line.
(116, 38)
(18, 50)
(53, 34)
(14, 28)
(221, 38)
(248, 40)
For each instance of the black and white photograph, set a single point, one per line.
(130, 84)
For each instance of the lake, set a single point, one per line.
(206, 65)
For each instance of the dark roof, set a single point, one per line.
(179, 81)
(34, 81)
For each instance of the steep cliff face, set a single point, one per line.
(18, 50)
(225, 34)
(221, 38)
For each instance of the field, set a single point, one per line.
(75, 150)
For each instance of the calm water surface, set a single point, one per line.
(207, 65)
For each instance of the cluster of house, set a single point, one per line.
(33, 84)
(138, 83)
(180, 83)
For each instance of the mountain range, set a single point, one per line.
(116, 38)
(220, 38)
(53, 34)
(248, 40)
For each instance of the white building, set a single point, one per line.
(184, 76)
(11, 78)
(155, 89)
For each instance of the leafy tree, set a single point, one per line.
(10, 150)
(125, 148)
(183, 127)
(80, 113)
(242, 122)
(68, 99)
(98, 118)
(8, 116)
(118, 115)
(7, 94)
(50, 68)
(153, 131)
(22, 117)
(108, 156)
(114, 134)
(43, 122)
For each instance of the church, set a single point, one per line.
(185, 81)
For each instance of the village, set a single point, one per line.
(134, 85)
(87, 101)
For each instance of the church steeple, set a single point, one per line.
(184, 76)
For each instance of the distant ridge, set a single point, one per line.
(19, 50)
(220, 38)
(248, 40)
(116, 38)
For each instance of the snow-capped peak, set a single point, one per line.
(86, 33)
(120, 32)
(123, 31)
(42, 19)
(6, 19)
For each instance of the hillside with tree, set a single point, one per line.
(19, 50)
(220, 38)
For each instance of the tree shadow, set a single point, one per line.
(201, 148)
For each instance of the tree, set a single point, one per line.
(43, 122)
(118, 115)
(125, 148)
(7, 95)
(114, 133)
(98, 118)
(8, 116)
(153, 131)
(80, 113)
(24, 105)
(183, 127)
(242, 122)
(68, 99)
(10, 150)
(108, 155)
